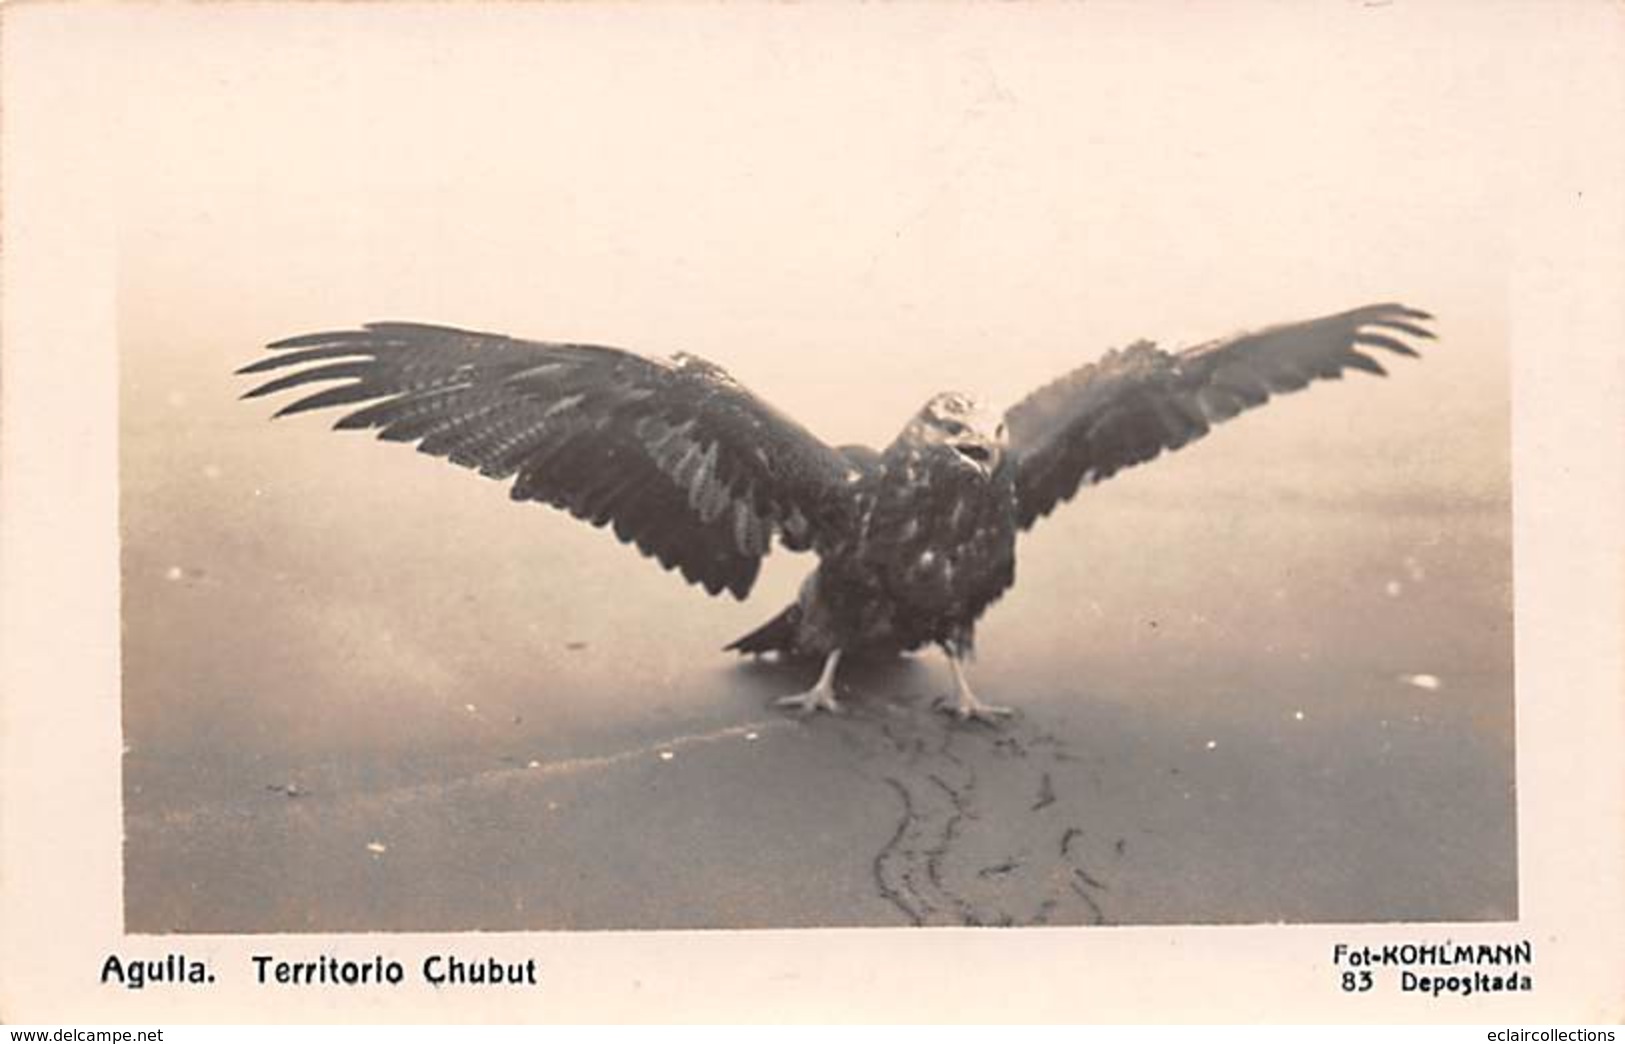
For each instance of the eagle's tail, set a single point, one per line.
(777, 635)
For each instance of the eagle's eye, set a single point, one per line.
(954, 428)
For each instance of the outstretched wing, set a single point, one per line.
(684, 462)
(1138, 401)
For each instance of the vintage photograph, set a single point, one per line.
(945, 467)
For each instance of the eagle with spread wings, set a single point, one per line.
(914, 542)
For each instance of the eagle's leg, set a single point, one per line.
(968, 706)
(821, 696)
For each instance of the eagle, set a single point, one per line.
(914, 542)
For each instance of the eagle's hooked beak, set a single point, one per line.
(979, 451)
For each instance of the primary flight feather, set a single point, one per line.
(914, 542)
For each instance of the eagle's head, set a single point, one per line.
(969, 433)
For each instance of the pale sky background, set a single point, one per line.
(849, 208)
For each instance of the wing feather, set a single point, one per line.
(674, 455)
(1139, 401)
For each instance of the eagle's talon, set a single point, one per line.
(975, 710)
(815, 699)
(821, 696)
(968, 707)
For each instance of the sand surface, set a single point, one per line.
(345, 712)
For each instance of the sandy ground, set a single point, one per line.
(373, 696)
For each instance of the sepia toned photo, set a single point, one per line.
(718, 473)
(883, 387)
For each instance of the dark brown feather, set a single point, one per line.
(1139, 401)
(686, 464)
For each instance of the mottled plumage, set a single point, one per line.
(914, 542)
